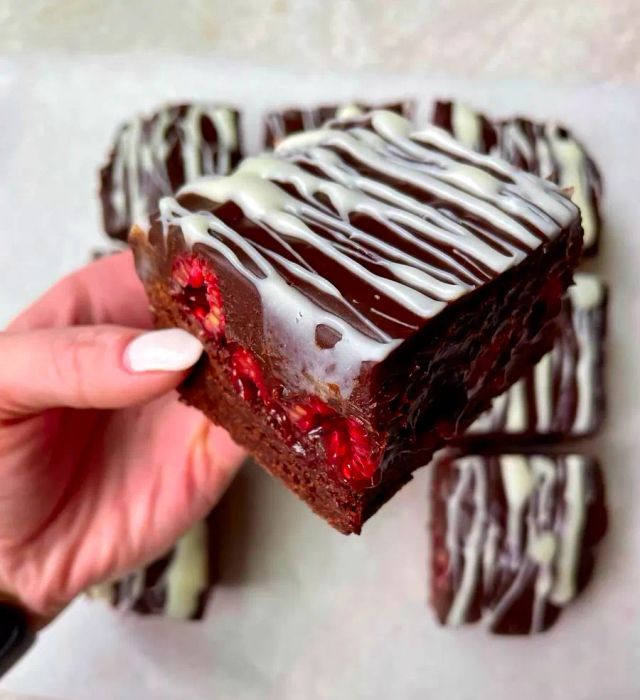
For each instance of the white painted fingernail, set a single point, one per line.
(168, 350)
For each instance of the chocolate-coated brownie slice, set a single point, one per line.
(362, 293)
(280, 123)
(512, 537)
(176, 585)
(153, 156)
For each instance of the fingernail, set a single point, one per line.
(168, 350)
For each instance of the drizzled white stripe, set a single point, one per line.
(474, 476)
(547, 151)
(466, 126)
(313, 118)
(538, 543)
(519, 212)
(142, 149)
(188, 573)
(184, 580)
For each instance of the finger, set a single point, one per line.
(105, 291)
(91, 367)
(146, 486)
(170, 478)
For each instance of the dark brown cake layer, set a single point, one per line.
(512, 537)
(362, 293)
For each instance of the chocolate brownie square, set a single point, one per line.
(153, 156)
(362, 293)
(546, 149)
(512, 537)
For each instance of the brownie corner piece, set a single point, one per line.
(152, 156)
(362, 293)
(513, 537)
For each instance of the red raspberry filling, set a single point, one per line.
(247, 377)
(349, 450)
(310, 414)
(199, 293)
(346, 444)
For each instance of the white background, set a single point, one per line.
(301, 611)
(569, 40)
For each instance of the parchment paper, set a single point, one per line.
(301, 611)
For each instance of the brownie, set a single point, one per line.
(153, 156)
(512, 537)
(281, 123)
(563, 396)
(176, 585)
(546, 149)
(362, 293)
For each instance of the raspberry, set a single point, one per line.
(310, 414)
(199, 293)
(246, 376)
(349, 451)
(347, 446)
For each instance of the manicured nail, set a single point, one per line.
(168, 350)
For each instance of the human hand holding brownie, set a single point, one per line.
(101, 469)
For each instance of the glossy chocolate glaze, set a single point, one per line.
(543, 148)
(368, 230)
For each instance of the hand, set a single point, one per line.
(101, 468)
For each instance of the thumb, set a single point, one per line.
(90, 367)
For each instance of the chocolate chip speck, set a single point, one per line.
(327, 337)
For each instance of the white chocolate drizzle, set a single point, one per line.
(535, 545)
(188, 573)
(451, 219)
(543, 148)
(178, 590)
(139, 163)
(282, 123)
